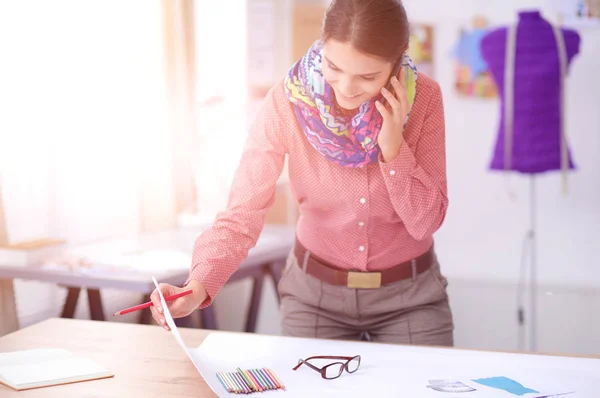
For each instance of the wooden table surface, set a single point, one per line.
(146, 359)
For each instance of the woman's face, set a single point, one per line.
(354, 76)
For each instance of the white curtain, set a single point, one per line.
(85, 146)
(84, 115)
(221, 91)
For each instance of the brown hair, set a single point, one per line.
(376, 27)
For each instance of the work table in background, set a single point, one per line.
(113, 270)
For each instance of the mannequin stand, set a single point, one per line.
(529, 242)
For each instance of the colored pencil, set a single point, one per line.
(275, 383)
(230, 381)
(269, 379)
(277, 380)
(224, 384)
(245, 387)
(240, 385)
(150, 304)
(257, 380)
(255, 386)
(254, 376)
(263, 378)
(249, 381)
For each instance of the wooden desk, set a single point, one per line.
(267, 258)
(146, 360)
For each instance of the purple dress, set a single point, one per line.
(536, 131)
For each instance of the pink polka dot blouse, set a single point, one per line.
(366, 218)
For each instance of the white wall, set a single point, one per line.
(482, 235)
(480, 242)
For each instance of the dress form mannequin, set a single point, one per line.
(529, 63)
(537, 116)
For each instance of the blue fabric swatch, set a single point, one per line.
(467, 50)
(506, 384)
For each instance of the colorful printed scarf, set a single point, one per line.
(350, 141)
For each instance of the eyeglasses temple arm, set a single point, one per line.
(303, 361)
(330, 357)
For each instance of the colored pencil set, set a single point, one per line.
(250, 381)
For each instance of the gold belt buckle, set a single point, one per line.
(364, 280)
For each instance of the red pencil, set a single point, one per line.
(150, 304)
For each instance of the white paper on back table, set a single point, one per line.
(30, 252)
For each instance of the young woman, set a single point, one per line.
(366, 148)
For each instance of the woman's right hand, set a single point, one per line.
(180, 307)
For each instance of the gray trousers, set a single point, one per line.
(410, 311)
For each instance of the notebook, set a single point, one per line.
(22, 370)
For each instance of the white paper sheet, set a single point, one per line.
(390, 370)
(174, 331)
(147, 261)
(385, 369)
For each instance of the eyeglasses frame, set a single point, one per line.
(323, 370)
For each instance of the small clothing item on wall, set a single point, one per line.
(529, 63)
(467, 50)
(472, 78)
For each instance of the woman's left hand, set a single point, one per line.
(394, 113)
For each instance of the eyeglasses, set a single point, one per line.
(335, 369)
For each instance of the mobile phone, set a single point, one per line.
(395, 71)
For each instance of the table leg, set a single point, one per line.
(186, 321)
(95, 305)
(145, 314)
(208, 319)
(8, 307)
(255, 302)
(70, 302)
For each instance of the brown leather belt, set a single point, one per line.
(359, 279)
